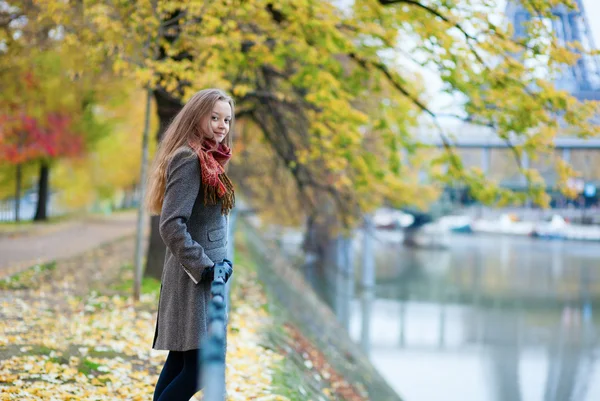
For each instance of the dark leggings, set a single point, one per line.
(178, 380)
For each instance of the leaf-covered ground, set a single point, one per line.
(70, 331)
(58, 342)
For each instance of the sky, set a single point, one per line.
(592, 9)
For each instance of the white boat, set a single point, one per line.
(392, 218)
(559, 228)
(555, 228)
(506, 224)
(456, 223)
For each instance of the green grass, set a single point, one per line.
(13, 225)
(241, 255)
(88, 367)
(10, 227)
(7, 225)
(124, 285)
(36, 349)
(60, 360)
(109, 354)
(27, 278)
(288, 382)
(290, 379)
(150, 285)
(42, 350)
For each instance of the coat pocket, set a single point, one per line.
(216, 235)
(216, 238)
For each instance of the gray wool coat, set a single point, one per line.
(196, 237)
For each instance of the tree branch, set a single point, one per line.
(468, 37)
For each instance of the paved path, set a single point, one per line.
(67, 240)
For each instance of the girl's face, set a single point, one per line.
(219, 120)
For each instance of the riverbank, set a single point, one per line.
(70, 330)
(294, 303)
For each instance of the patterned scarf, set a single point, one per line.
(214, 180)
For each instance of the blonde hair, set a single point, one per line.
(191, 123)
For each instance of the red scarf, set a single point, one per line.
(217, 185)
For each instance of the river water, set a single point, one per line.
(492, 318)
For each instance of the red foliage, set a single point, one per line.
(30, 81)
(24, 138)
(336, 382)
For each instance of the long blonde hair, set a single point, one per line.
(187, 124)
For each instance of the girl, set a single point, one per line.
(188, 187)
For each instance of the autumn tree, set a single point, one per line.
(328, 97)
(110, 170)
(26, 138)
(39, 125)
(50, 90)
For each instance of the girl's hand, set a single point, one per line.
(228, 266)
(208, 274)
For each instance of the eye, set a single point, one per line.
(215, 118)
(227, 121)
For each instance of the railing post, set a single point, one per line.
(212, 350)
(340, 296)
(349, 277)
(231, 226)
(368, 283)
(344, 278)
(368, 259)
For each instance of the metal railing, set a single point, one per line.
(213, 349)
(27, 209)
(212, 355)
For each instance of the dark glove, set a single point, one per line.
(208, 274)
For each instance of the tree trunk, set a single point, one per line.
(320, 249)
(167, 108)
(18, 193)
(139, 237)
(41, 212)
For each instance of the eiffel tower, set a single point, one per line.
(583, 78)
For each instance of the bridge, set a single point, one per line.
(471, 136)
(581, 79)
